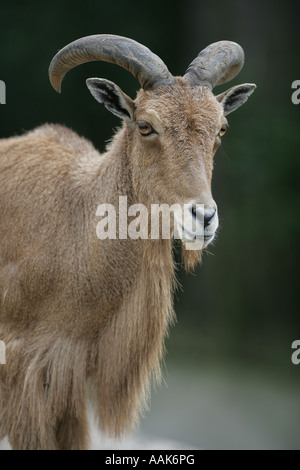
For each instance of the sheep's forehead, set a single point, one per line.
(182, 107)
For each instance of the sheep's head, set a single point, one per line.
(175, 124)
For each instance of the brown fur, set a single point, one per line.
(82, 318)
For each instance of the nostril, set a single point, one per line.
(208, 216)
(204, 216)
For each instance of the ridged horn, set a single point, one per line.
(216, 64)
(146, 66)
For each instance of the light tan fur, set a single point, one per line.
(82, 318)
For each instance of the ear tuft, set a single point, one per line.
(112, 97)
(235, 97)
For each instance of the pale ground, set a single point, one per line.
(218, 408)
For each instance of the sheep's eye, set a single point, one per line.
(223, 130)
(145, 128)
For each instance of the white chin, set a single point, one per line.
(197, 243)
(194, 241)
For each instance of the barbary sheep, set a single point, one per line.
(84, 319)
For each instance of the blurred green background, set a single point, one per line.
(231, 382)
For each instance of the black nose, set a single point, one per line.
(208, 216)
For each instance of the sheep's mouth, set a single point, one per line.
(188, 236)
(194, 231)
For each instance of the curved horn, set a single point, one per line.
(216, 64)
(147, 67)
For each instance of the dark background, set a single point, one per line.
(240, 309)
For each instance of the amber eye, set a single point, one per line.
(145, 128)
(223, 130)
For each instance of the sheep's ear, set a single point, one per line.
(112, 97)
(235, 97)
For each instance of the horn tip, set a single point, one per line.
(56, 83)
(54, 77)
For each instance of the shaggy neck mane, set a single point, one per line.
(132, 342)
